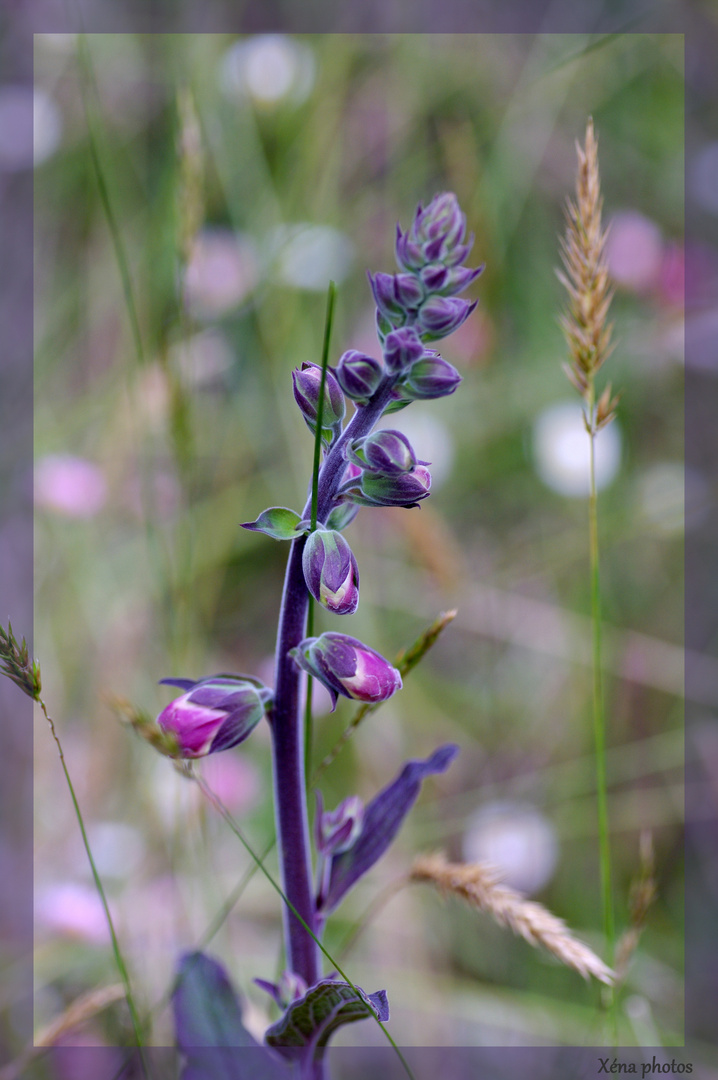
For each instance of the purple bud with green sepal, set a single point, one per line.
(214, 714)
(307, 382)
(439, 279)
(396, 295)
(401, 348)
(348, 667)
(386, 451)
(407, 489)
(358, 374)
(336, 830)
(330, 571)
(441, 315)
(430, 377)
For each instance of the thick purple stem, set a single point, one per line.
(288, 744)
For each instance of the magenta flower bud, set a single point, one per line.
(214, 714)
(337, 830)
(358, 374)
(306, 393)
(385, 451)
(440, 315)
(330, 571)
(407, 489)
(348, 667)
(401, 348)
(431, 377)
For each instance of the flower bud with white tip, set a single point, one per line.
(330, 571)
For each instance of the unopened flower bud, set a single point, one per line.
(385, 451)
(441, 315)
(358, 375)
(337, 830)
(431, 377)
(401, 348)
(407, 489)
(330, 571)
(214, 714)
(438, 278)
(348, 667)
(396, 294)
(307, 382)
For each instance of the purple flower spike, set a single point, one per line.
(358, 375)
(330, 571)
(436, 235)
(440, 315)
(214, 714)
(336, 830)
(306, 393)
(401, 348)
(387, 452)
(431, 377)
(407, 489)
(348, 667)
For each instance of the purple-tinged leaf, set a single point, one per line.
(301, 1035)
(382, 820)
(209, 1029)
(277, 522)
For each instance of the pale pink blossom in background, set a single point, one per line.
(234, 779)
(222, 271)
(73, 910)
(634, 251)
(69, 485)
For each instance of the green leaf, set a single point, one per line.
(277, 522)
(306, 1027)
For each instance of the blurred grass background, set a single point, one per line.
(300, 159)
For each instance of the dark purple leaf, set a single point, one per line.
(209, 1029)
(306, 1027)
(382, 820)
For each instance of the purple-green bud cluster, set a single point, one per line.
(424, 293)
(214, 714)
(330, 571)
(348, 667)
(390, 474)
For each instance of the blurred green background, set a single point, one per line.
(197, 195)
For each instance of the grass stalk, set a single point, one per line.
(119, 960)
(588, 332)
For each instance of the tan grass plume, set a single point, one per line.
(479, 884)
(586, 280)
